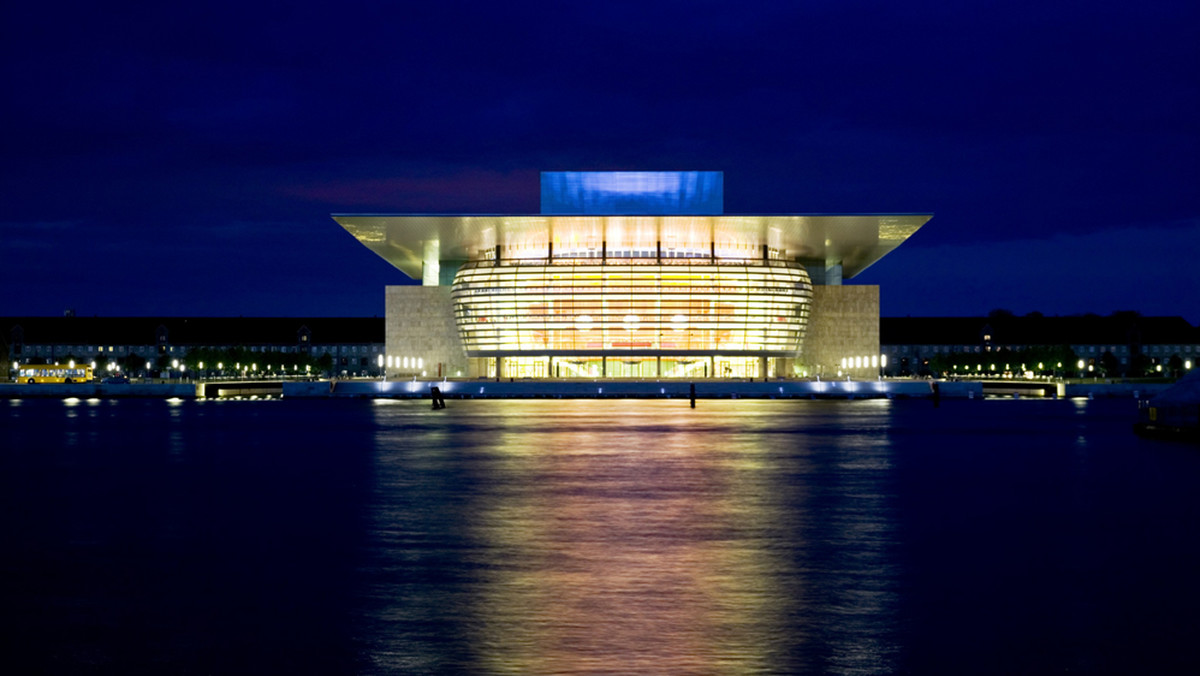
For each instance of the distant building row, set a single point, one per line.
(1123, 344)
(337, 344)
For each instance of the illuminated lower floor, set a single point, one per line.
(610, 367)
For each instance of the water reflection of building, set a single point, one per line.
(630, 274)
(620, 560)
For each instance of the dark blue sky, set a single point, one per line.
(185, 158)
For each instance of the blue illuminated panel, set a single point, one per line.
(617, 193)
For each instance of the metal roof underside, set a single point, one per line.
(854, 241)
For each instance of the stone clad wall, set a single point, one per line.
(420, 324)
(843, 322)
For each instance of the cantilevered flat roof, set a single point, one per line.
(854, 240)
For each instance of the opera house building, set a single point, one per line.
(631, 275)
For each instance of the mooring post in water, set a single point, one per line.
(937, 393)
(692, 393)
(439, 401)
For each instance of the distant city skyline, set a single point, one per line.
(186, 162)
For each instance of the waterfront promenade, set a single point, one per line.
(588, 389)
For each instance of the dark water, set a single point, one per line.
(341, 537)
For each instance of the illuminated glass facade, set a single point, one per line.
(684, 307)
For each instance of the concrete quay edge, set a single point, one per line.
(547, 389)
(614, 389)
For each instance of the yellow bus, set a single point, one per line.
(54, 373)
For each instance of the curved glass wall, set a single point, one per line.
(681, 307)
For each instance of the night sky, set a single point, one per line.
(183, 158)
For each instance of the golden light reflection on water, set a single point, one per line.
(634, 553)
(635, 536)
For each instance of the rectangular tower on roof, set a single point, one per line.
(633, 193)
